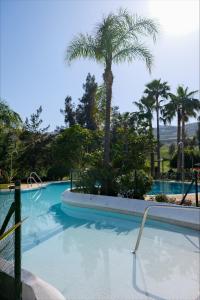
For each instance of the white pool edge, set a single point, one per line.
(188, 218)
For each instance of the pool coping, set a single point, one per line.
(189, 219)
(34, 188)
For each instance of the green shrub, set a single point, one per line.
(99, 180)
(135, 184)
(161, 198)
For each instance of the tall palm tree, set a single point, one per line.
(183, 105)
(158, 91)
(116, 39)
(146, 107)
(190, 107)
(198, 132)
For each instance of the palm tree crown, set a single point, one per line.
(116, 39)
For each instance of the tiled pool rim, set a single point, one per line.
(188, 218)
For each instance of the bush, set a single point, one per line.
(135, 184)
(99, 180)
(161, 198)
(57, 172)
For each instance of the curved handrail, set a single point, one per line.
(32, 178)
(145, 217)
(29, 180)
(38, 177)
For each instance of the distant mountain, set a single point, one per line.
(168, 134)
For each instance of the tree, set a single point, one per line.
(69, 112)
(34, 150)
(8, 117)
(72, 147)
(183, 105)
(146, 107)
(172, 149)
(87, 109)
(10, 126)
(156, 90)
(198, 132)
(116, 39)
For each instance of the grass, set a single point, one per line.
(4, 186)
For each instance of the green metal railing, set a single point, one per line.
(10, 282)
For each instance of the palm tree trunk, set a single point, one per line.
(158, 137)
(178, 142)
(108, 80)
(183, 143)
(152, 160)
(198, 133)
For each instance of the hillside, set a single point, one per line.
(168, 133)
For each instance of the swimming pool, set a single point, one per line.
(169, 187)
(86, 253)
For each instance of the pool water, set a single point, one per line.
(166, 187)
(86, 253)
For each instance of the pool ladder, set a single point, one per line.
(145, 217)
(32, 178)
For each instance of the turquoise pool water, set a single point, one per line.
(86, 253)
(160, 187)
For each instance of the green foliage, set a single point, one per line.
(72, 147)
(116, 37)
(57, 172)
(161, 198)
(191, 157)
(34, 150)
(99, 180)
(129, 150)
(69, 112)
(172, 149)
(87, 109)
(134, 184)
(8, 117)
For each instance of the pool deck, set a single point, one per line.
(188, 218)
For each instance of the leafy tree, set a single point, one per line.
(116, 39)
(87, 109)
(172, 149)
(8, 117)
(73, 146)
(145, 116)
(10, 124)
(158, 91)
(69, 112)
(34, 150)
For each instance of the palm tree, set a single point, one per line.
(198, 132)
(157, 89)
(8, 117)
(116, 39)
(190, 107)
(182, 105)
(146, 107)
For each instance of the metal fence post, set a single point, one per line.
(71, 180)
(18, 285)
(196, 188)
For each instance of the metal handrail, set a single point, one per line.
(38, 177)
(32, 178)
(145, 217)
(29, 180)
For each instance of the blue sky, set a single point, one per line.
(35, 34)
